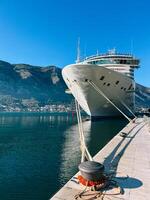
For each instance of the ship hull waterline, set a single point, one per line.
(113, 84)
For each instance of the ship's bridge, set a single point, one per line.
(123, 63)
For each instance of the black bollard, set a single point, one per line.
(91, 170)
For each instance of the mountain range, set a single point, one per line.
(142, 96)
(23, 86)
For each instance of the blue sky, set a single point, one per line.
(45, 32)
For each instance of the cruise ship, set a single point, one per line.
(103, 84)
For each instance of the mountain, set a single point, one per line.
(23, 86)
(142, 96)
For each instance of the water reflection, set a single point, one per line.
(31, 119)
(30, 150)
(40, 152)
(71, 154)
(97, 134)
(102, 131)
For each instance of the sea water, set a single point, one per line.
(40, 152)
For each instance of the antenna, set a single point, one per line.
(97, 52)
(78, 51)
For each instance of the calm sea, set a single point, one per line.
(40, 152)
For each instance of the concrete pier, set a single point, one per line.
(127, 157)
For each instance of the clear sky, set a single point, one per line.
(45, 32)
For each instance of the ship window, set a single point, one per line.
(92, 62)
(130, 87)
(123, 61)
(129, 62)
(124, 89)
(108, 84)
(102, 78)
(117, 82)
(104, 83)
(117, 61)
(105, 62)
(121, 88)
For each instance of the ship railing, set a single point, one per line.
(109, 54)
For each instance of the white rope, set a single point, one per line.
(101, 93)
(84, 149)
(81, 143)
(82, 134)
(127, 108)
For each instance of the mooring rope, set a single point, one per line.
(102, 93)
(84, 149)
(110, 189)
(125, 105)
(101, 193)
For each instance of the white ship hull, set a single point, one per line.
(94, 104)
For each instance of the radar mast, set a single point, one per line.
(78, 51)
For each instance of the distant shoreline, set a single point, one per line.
(49, 113)
(43, 113)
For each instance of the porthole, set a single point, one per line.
(102, 78)
(130, 87)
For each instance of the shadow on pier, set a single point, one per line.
(112, 160)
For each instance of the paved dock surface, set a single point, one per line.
(127, 156)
